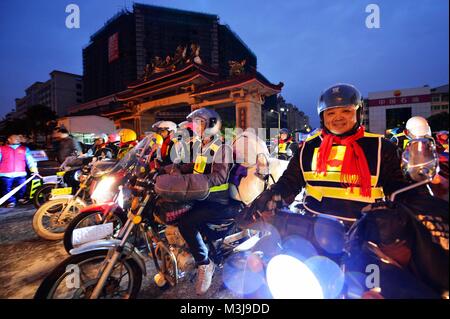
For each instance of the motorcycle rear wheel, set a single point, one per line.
(73, 275)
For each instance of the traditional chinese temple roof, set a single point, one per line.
(205, 80)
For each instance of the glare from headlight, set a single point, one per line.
(289, 278)
(77, 175)
(103, 191)
(120, 199)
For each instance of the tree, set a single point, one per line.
(438, 122)
(14, 126)
(37, 119)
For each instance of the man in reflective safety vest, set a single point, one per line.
(212, 161)
(343, 169)
(286, 145)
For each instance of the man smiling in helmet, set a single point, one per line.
(343, 169)
(208, 177)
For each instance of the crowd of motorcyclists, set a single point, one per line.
(341, 169)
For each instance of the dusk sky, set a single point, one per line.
(308, 45)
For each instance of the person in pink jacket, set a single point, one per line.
(14, 158)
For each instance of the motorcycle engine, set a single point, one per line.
(185, 261)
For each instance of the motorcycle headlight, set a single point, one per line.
(103, 192)
(77, 175)
(289, 278)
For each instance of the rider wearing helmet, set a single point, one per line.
(100, 149)
(207, 175)
(128, 139)
(340, 170)
(342, 167)
(167, 130)
(113, 143)
(286, 145)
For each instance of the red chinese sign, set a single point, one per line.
(113, 47)
(243, 118)
(401, 100)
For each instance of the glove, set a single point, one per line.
(34, 170)
(262, 209)
(269, 200)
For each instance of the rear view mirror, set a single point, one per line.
(420, 161)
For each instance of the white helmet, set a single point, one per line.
(211, 117)
(165, 125)
(102, 136)
(417, 127)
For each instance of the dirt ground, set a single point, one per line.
(25, 260)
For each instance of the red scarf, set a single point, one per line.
(280, 141)
(355, 170)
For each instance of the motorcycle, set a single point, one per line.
(51, 219)
(306, 256)
(115, 267)
(108, 196)
(65, 181)
(112, 211)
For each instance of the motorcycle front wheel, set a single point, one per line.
(77, 276)
(118, 219)
(43, 194)
(46, 221)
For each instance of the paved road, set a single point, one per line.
(25, 259)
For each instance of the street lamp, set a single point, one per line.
(279, 118)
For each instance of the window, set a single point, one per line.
(78, 86)
(444, 107)
(397, 117)
(436, 98)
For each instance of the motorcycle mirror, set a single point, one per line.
(420, 160)
(262, 165)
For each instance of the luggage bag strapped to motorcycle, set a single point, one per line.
(182, 188)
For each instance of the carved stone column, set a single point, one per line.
(248, 112)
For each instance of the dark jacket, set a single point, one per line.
(185, 184)
(67, 147)
(390, 178)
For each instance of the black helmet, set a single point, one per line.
(211, 117)
(339, 95)
(284, 131)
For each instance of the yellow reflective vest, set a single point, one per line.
(324, 193)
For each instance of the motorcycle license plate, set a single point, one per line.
(62, 191)
(91, 233)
